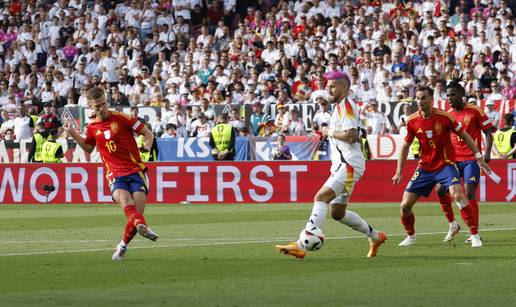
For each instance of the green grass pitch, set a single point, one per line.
(223, 255)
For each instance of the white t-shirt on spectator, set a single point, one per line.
(108, 66)
(183, 12)
(62, 88)
(375, 120)
(22, 127)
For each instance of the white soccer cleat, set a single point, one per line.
(452, 231)
(146, 232)
(476, 241)
(120, 251)
(409, 240)
(468, 240)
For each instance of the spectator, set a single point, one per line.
(281, 151)
(258, 118)
(295, 124)
(49, 117)
(23, 124)
(493, 114)
(375, 120)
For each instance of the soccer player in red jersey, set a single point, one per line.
(474, 120)
(433, 128)
(113, 135)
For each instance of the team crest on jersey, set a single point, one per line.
(429, 133)
(107, 134)
(438, 128)
(98, 132)
(114, 127)
(466, 120)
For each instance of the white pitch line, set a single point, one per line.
(214, 244)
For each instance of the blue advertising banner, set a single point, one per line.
(196, 149)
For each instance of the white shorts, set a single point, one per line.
(342, 181)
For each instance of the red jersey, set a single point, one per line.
(115, 143)
(436, 149)
(474, 120)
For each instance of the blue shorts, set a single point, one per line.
(423, 182)
(470, 171)
(135, 182)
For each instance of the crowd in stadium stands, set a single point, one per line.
(186, 56)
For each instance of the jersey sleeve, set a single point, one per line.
(90, 138)
(349, 118)
(456, 126)
(135, 124)
(483, 121)
(409, 138)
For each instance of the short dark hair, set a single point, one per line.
(456, 85)
(422, 88)
(95, 93)
(508, 119)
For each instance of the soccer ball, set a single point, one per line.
(312, 238)
(275, 153)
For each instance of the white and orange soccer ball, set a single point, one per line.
(312, 238)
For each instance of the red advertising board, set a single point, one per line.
(231, 182)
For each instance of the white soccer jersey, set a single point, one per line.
(345, 116)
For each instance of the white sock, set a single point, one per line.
(318, 216)
(454, 223)
(122, 243)
(357, 223)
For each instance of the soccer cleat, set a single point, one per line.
(468, 240)
(291, 250)
(146, 232)
(452, 231)
(476, 241)
(375, 245)
(409, 240)
(120, 251)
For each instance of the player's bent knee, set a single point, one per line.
(325, 194)
(338, 212)
(441, 190)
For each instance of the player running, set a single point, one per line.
(433, 127)
(348, 165)
(112, 133)
(474, 120)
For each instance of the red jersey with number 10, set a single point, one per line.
(436, 149)
(114, 138)
(474, 120)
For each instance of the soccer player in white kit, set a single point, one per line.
(348, 165)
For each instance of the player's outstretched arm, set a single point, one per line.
(401, 162)
(471, 144)
(69, 130)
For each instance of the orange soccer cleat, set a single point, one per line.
(375, 245)
(291, 250)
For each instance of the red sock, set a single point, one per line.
(134, 216)
(129, 233)
(446, 207)
(474, 205)
(408, 222)
(468, 216)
